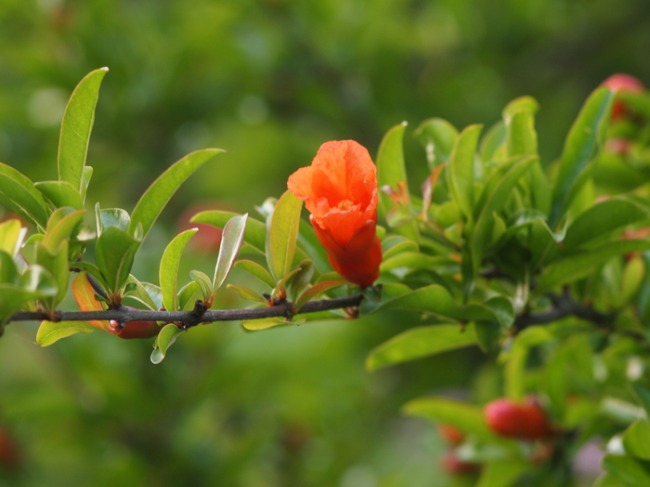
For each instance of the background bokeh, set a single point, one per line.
(268, 81)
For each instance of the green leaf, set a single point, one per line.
(76, 127)
(643, 395)
(503, 473)
(283, 234)
(204, 282)
(18, 194)
(576, 265)
(438, 137)
(636, 439)
(55, 261)
(248, 294)
(168, 271)
(35, 283)
(523, 104)
(231, 239)
(480, 237)
(8, 270)
(390, 165)
(603, 219)
(265, 323)
(579, 149)
(498, 309)
(50, 332)
(516, 358)
(188, 295)
(318, 289)
(460, 170)
(434, 299)
(493, 143)
(255, 233)
(62, 224)
(155, 198)
(633, 472)
(114, 251)
(421, 342)
(11, 236)
(111, 217)
(60, 194)
(519, 118)
(164, 340)
(466, 417)
(256, 270)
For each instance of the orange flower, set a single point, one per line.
(340, 192)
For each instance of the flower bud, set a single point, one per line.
(622, 82)
(524, 421)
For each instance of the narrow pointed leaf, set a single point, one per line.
(283, 234)
(317, 289)
(84, 295)
(164, 340)
(579, 149)
(114, 252)
(155, 198)
(60, 194)
(460, 169)
(390, 165)
(168, 271)
(51, 332)
(575, 265)
(480, 238)
(602, 219)
(433, 299)
(255, 233)
(256, 270)
(438, 137)
(76, 127)
(11, 236)
(421, 342)
(18, 194)
(231, 239)
(466, 417)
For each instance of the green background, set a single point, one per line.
(268, 81)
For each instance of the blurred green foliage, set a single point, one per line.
(268, 81)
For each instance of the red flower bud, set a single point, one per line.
(622, 82)
(134, 329)
(524, 421)
(451, 434)
(340, 192)
(10, 455)
(450, 463)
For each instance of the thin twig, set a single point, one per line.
(187, 319)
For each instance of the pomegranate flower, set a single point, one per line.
(340, 192)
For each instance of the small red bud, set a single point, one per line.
(451, 434)
(10, 455)
(134, 329)
(524, 421)
(622, 82)
(450, 463)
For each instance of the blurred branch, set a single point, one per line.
(188, 319)
(564, 306)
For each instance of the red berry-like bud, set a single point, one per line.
(620, 147)
(10, 456)
(524, 421)
(622, 82)
(450, 463)
(451, 434)
(134, 329)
